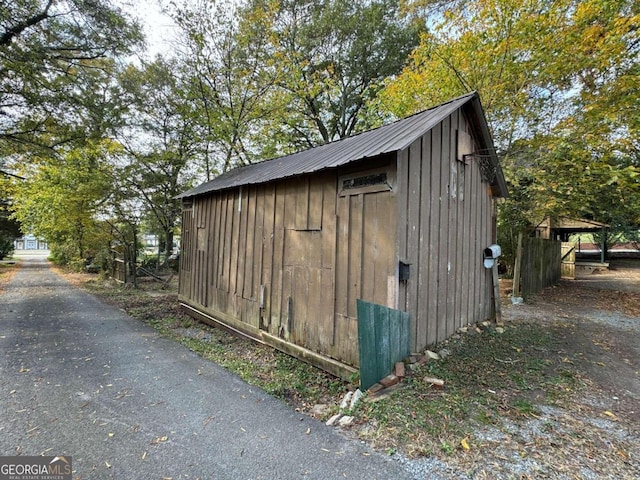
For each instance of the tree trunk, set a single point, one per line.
(168, 244)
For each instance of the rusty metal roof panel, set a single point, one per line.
(389, 138)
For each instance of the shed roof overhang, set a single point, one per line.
(573, 225)
(389, 138)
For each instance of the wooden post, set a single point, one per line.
(496, 292)
(517, 267)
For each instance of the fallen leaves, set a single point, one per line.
(158, 440)
(465, 444)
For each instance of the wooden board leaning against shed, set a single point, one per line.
(384, 337)
(282, 251)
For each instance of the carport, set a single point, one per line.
(562, 228)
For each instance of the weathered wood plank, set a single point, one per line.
(209, 250)
(449, 160)
(402, 196)
(325, 316)
(435, 201)
(414, 205)
(313, 309)
(278, 297)
(267, 278)
(225, 241)
(288, 308)
(386, 281)
(219, 319)
(475, 287)
(485, 295)
(250, 232)
(443, 258)
(342, 258)
(541, 264)
(329, 261)
(240, 241)
(354, 286)
(329, 220)
(422, 315)
(467, 235)
(301, 187)
(316, 203)
(456, 223)
(218, 226)
(300, 298)
(370, 252)
(289, 191)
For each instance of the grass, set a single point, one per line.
(488, 376)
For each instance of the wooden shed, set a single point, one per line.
(399, 216)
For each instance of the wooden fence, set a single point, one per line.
(568, 260)
(119, 270)
(541, 262)
(121, 266)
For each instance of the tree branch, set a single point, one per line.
(7, 36)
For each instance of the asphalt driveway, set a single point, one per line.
(80, 378)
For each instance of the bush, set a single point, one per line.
(103, 260)
(6, 247)
(77, 264)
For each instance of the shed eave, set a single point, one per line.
(383, 140)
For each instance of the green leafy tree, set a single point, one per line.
(55, 69)
(272, 77)
(122, 213)
(559, 81)
(160, 143)
(9, 230)
(60, 198)
(228, 75)
(332, 57)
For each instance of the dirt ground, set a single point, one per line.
(605, 309)
(597, 434)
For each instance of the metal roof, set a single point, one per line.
(386, 139)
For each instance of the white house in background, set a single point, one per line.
(30, 242)
(150, 243)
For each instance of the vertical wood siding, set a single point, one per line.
(291, 258)
(445, 215)
(307, 252)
